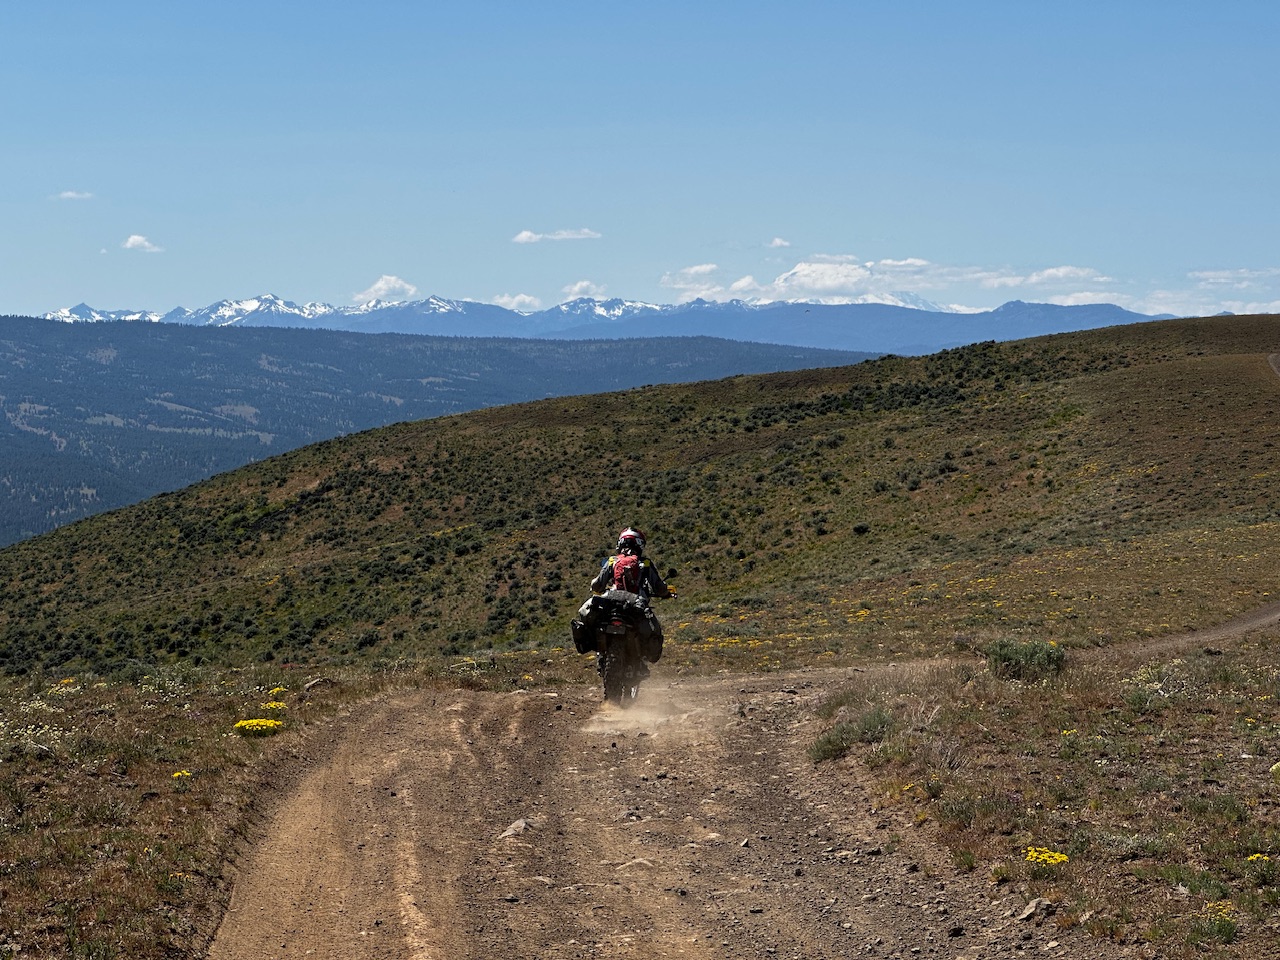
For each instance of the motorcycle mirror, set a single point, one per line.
(672, 574)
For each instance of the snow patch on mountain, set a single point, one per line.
(83, 313)
(614, 309)
(898, 323)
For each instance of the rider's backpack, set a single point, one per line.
(627, 573)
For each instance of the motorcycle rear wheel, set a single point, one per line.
(621, 685)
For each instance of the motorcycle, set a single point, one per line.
(621, 630)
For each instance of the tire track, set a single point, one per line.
(481, 825)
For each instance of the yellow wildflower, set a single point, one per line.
(258, 727)
(1046, 856)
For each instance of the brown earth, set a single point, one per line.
(536, 824)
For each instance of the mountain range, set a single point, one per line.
(909, 325)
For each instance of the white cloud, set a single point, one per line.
(693, 283)
(837, 258)
(75, 195)
(1249, 306)
(386, 287)
(528, 236)
(1066, 274)
(1082, 297)
(521, 302)
(1199, 303)
(583, 288)
(779, 242)
(818, 280)
(1180, 303)
(1050, 276)
(137, 241)
(845, 278)
(1241, 279)
(1237, 290)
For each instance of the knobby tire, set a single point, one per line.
(620, 688)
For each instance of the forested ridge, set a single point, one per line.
(97, 416)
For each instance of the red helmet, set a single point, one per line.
(631, 539)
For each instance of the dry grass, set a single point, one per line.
(1148, 773)
(121, 802)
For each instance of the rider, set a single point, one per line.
(631, 571)
(639, 576)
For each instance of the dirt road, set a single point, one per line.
(550, 825)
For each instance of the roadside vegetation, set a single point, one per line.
(122, 800)
(1130, 788)
(1021, 523)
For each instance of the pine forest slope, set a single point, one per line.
(1090, 487)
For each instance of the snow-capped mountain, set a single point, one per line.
(83, 313)
(269, 310)
(585, 307)
(909, 324)
(915, 302)
(264, 311)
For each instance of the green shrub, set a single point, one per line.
(1025, 659)
(871, 727)
(1216, 924)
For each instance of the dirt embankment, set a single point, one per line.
(534, 824)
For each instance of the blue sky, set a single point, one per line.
(166, 154)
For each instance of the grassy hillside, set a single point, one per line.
(1075, 493)
(1062, 484)
(1083, 471)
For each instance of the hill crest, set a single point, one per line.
(1108, 451)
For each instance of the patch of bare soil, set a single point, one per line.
(550, 825)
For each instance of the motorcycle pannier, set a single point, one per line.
(593, 610)
(651, 640)
(584, 637)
